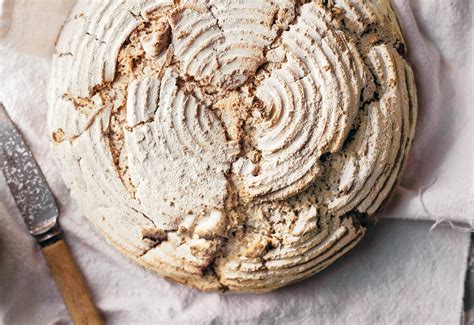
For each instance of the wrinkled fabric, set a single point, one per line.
(438, 183)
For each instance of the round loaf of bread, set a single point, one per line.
(232, 145)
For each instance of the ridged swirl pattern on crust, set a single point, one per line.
(232, 145)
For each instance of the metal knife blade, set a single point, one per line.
(40, 212)
(26, 182)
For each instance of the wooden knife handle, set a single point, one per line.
(71, 284)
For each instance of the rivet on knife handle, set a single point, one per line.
(40, 213)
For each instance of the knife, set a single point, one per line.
(40, 213)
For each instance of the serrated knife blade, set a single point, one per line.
(40, 212)
(26, 182)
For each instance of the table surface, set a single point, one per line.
(469, 295)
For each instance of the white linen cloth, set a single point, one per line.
(401, 273)
(438, 183)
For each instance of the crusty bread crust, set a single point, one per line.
(232, 145)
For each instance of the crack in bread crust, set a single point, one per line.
(228, 145)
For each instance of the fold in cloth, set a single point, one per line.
(438, 182)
